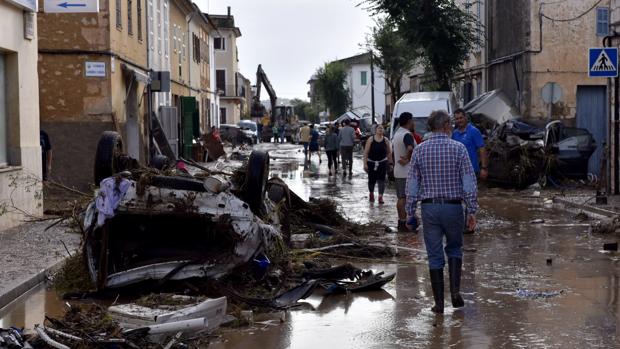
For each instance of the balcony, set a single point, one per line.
(231, 90)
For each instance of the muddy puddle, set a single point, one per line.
(525, 285)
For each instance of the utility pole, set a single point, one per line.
(372, 87)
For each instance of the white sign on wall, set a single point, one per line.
(71, 6)
(95, 69)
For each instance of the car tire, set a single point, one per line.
(256, 179)
(160, 162)
(109, 150)
(178, 183)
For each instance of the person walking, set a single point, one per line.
(331, 149)
(276, 133)
(314, 143)
(282, 129)
(304, 138)
(377, 156)
(470, 136)
(346, 137)
(441, 177)
(403, 143)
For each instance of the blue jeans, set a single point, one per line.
(439, 220)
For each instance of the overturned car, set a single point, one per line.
(146, 224)
(520, 153)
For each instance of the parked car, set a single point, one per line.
(250, 128)
(235, 134)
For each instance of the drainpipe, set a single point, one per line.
(189, 18)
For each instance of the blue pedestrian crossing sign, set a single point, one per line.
(603, 62)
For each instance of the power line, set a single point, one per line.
(574, 18)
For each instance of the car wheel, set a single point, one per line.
(256, 179)
(109, 150)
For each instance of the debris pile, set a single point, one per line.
(183, 245)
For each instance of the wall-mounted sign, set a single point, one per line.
(603, 62)
(29, 5)
(95, 69)
(71, 6)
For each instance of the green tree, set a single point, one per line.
(331, 85)
(443, 32)
(392, 54)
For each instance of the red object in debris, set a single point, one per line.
(181, 166)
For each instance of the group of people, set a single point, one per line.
(441, 174)
(338, 140)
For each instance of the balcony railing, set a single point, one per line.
(231, 90)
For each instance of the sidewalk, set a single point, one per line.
(28, 253)
(586, 201)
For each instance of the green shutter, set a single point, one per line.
(190, 124)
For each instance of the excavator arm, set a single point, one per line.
(261, 79)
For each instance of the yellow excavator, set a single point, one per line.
(281, 115)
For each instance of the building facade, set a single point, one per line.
(531, 44)
(20, 150)
(227, 68)
(359, 84)
(92, 78)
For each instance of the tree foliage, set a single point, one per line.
(331, 85)
(304, 110)
(439, 28)
(392, 54)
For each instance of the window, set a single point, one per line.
(219, 44)
(602, 21)
(222, 116)
(4, 160)
(139, 14)
(119, 15)
(129, 15)
(364, 78)
(196, 47)
(220, 80)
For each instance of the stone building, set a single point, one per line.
(20, 153)
(534, 43)
(92, 77)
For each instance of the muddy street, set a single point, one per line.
(533, 277)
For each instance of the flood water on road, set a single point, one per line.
(525, 285)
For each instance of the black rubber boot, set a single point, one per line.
(437, 285)
(455, 265)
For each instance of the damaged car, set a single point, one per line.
(522, 153)
(146, 224)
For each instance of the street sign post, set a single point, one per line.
(603, 62)
(71, 6)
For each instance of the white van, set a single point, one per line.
(420, 105)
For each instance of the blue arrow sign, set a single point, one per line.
(65, 5)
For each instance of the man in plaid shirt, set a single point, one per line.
(441, 177)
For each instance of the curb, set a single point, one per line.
(587, 208)
(18, 289)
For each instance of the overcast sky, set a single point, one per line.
(292, 38)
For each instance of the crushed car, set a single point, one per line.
(149, 225)
(522, 153)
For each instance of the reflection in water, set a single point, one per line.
(31, 308)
